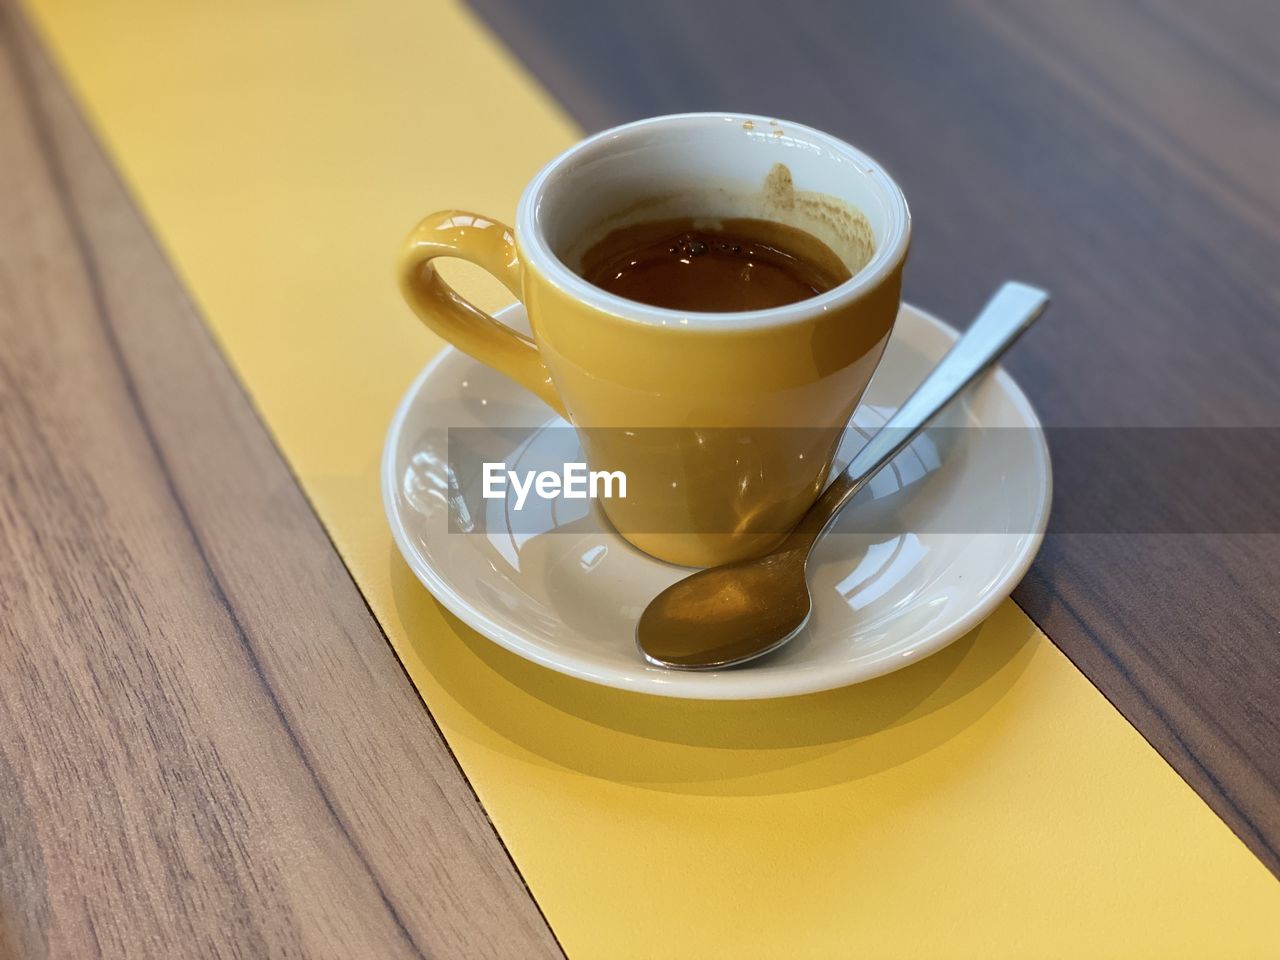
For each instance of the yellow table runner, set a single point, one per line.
(986, 803)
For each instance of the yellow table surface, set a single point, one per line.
(988, 802)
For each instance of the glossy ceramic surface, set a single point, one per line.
(611, 363)
(569, 596)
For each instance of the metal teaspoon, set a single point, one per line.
(733, 613)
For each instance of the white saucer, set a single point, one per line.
(568, 595)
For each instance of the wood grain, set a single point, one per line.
(206, 745)
(1122, 155)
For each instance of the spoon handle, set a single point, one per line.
(1006, 316)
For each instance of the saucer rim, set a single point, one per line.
(734, 683)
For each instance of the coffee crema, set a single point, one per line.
(713, 266)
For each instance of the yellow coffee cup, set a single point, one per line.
(725, 424)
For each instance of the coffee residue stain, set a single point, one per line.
(642, 205)
(779, 189)
(845, 222)
(748, 125)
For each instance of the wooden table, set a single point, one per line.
(204, 737)
(170, 778)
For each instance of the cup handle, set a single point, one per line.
(491, 246)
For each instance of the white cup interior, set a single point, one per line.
(714, 166)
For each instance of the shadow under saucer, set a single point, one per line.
(706, 747)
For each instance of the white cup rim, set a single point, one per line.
(534, 247)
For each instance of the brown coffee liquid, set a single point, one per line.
(713, 266)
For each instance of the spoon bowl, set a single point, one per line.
(727, 614)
